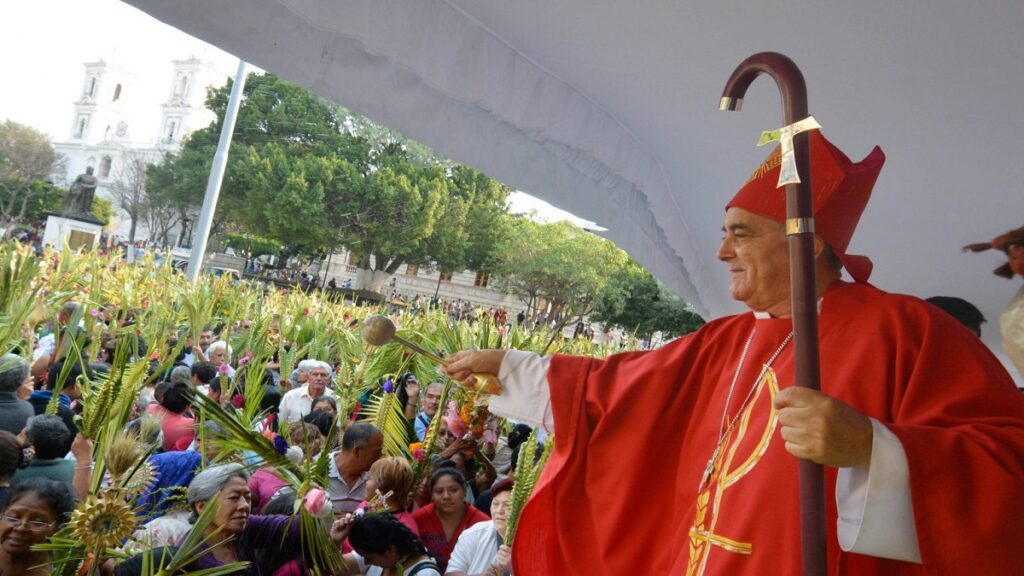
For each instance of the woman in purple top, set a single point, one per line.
(229, 485)
(236, 535)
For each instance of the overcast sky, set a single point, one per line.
(46, 42)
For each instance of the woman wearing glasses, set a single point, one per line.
(33, 511)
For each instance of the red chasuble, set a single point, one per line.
(634, 432)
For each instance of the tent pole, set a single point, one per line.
(220, 161)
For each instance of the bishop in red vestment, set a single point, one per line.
(683, 460)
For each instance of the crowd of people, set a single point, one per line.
(383, 518)
(917, 426)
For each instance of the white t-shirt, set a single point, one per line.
(476, 549)
(296, 403)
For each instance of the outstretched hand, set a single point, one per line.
(462, 365)
(822, 429)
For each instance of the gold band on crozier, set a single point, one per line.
(799, 226)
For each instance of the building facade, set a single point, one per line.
(124, 116)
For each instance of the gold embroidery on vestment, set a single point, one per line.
(702, 533)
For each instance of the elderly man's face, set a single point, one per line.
(217, 357)
(317, 379)
(755, 250)
(432, 399)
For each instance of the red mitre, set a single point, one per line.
(839, 188)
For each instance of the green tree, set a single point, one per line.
(382, 139)
(561, 264)
(635, 301)
(177, 183)
(44, 198)
(282, 129)
(102, 210)
(26, 159)
(305, 173)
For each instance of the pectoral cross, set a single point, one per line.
(709, 469)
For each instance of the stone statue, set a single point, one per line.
(80, 195)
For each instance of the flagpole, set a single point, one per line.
(220, 161)
(800, 230)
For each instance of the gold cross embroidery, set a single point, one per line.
(702, 533)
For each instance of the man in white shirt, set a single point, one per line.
(198, 351)
(298, 402)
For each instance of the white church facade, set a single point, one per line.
(121, 114)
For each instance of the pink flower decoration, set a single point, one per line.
(455, 424)
(223, 369)
(490, 436)
(315, 500)
(419, 454)
(95, 313)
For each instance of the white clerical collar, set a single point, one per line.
(762, 315)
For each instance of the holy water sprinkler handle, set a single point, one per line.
(380, 330)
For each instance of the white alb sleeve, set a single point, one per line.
(526, 397)
(876, 514)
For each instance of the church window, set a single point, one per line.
(411, 270)
(104, 170)
(117, 93)
(81, 125)
(90, 91)
(172, 129)
(446, 277)
(181, 86)
(481, 279)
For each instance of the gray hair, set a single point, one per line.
(13, 372)
(181, 374)
(307, 365)
(209, 482)
(219, 345)
(326, 366)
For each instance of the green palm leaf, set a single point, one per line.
(384, 412)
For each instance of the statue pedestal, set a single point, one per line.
(77, 232)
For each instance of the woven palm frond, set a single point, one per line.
(384, 412)
(528, 470)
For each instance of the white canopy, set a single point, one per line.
(608, 109)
